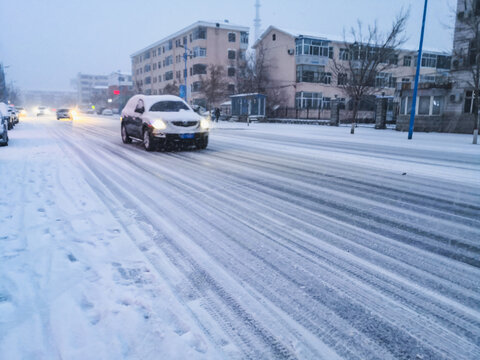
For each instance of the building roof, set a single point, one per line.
(337, 38)
(212, 24)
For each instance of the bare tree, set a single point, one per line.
(171, 89)
(138, 87)
(466, 54)
(252, 74)
(214, 86)
(369, 53)
(13, 93)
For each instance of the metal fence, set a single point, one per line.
(345, 116)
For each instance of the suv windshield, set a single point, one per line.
(169, 106)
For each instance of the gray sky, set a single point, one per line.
(46, 42)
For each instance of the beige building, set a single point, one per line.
(449, 106)
(300, 65)
(208, 43)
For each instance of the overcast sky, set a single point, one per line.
(46, 43)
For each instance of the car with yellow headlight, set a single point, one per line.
(163, 121)
(66, 113)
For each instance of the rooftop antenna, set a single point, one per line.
(257, 21)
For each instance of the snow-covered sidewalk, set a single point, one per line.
(73, 285)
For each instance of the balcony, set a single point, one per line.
(311, 60)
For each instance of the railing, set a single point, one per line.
(345, 116)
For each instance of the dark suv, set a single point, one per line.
(64, 114)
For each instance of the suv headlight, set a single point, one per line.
(204, 123)
(159, 124)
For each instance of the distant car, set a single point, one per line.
(21, 111)
(107, 112)
(3, 127)
(14, 113)
(163, 120)
(7, 116)
(65, 114)
(41, 110)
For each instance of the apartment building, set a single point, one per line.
(207, 43)
(449, 106)
(88, 86)
(300, 65)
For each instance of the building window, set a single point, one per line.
(231, 54)
(343, 54)
(169, 60)
(342, 79)
(196, 86)
(231, 88)
(313, 47)
(232, 37)
(169, 75)
(469, 103)
(148, 80)
(146, 68)
(159, 64)
(231, 71)
(429, 60)
(308, 100)
(437, 105)
(407, 61)
(199, 51)
(274, 37)
(159, 78)
(199, 33)
(184, 40)
(199, 69)
(154, 66)
(313, 74)
(383, 80)
(146, 55)
(177, 74)
(424, 105)
(177, 43)
(244, 37)
(393, 59)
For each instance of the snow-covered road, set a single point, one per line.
(278, 241)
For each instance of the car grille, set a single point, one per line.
(185, 123)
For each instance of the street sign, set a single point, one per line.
(116, 92)
(183, 91)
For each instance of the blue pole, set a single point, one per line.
(417, 73)
(185, 73)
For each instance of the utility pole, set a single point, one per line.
(417, 73)
(185, 57)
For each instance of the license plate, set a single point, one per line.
(187, 136)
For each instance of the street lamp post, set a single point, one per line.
(417, 73)
(185, 56)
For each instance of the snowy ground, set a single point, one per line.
(278, 241)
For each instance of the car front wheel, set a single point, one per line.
(148, 142)
(125, 138)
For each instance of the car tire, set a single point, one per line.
(148, 142)
(125, 138)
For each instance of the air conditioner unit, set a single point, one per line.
(291, 51)
(456, 98)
